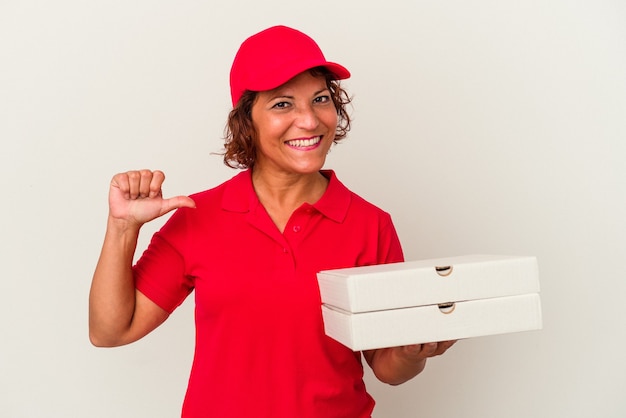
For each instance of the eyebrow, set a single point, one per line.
(286, 96)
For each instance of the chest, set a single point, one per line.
(242, 261)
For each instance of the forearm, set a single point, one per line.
(112, 295)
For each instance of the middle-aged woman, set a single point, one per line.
(251, 248)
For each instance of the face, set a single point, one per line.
(295, 125)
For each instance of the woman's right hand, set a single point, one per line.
(135, 197)
(118, 312)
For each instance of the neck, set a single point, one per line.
(283, 194)
(283, 189)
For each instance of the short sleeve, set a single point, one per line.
(389, 247)
(160, 273)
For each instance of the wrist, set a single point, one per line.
(122, 227)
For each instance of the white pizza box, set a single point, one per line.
(433, 323)
(428, 282)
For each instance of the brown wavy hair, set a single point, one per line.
(239, 134)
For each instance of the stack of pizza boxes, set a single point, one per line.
(433, 300)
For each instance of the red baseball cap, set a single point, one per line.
(272, 57)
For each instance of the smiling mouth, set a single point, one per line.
(304, 143)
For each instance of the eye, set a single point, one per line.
(322, 99)
(280, 105)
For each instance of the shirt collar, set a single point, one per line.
(335, 201)
(239, 196)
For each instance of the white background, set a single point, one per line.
(482, 127)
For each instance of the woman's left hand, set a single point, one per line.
(396, 365)
(417, 352)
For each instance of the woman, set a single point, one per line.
(251, 248)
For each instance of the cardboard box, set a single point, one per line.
(430, 300)
(427, 282)
(395, 327)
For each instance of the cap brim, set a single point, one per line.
(339, 71)
(278, 77)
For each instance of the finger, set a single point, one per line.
(134, 181)
(145, 180)
(429, 349)
(120, 182)
(156, 183)
(440, 348)
(176, 202)
(412, 350)
(443, 346)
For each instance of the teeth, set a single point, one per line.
(305, 142)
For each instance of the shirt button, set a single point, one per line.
(296, 228)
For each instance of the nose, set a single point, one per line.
(307, 118)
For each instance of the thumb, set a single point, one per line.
(176, 202)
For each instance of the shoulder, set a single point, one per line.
(211, 207)
(228, 191)
(210, 204)
(339, 196)
(366, 211)
(364, 204)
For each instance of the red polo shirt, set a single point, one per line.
(261, 350)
